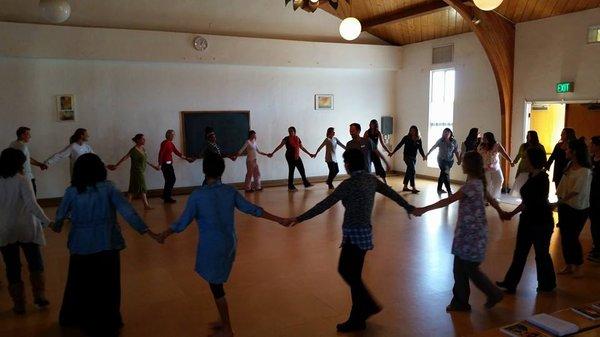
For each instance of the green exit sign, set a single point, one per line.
(564, 87)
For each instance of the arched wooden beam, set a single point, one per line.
(497, 36)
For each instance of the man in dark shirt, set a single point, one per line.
(357, 194)
(365, 146)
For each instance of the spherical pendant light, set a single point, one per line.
(350, 28)
(55, 11)
(487, 5)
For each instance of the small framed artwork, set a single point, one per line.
(65, 107)
(323, 102)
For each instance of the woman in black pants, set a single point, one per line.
(412, 143)
(536, 226)
(573, 204)
(293, 145)
(375, 136)
(559, 156)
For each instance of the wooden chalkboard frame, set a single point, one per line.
(190, 112)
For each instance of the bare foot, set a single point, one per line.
(148, 207)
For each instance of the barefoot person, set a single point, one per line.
(213, 207)
(293, 145)
(23, 137)
(252, 170)
(78, 146)
(139, 159)
(448, 148)
(357, 194)
(412, 143)
(21, 229)
(92, 298)
(470, 238)
(330, 143)
(376, 137)
(165, 161)
(536, 226)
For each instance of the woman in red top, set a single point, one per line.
(293, 145)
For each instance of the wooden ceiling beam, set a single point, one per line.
(404, 13)
(497, 36)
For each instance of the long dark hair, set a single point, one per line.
(11, 162)
(491, 141)
(472, 141)
(534, 138)
(580, 150)
(137, 137)
(251, 133)
(570, 133)
(451, 133)
(414, 127)
(77, 135)
(87, 171)
(473, 166)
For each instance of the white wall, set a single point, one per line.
(476, 96)
(116, 99)
(550, 51)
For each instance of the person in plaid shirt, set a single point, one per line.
(357, 194)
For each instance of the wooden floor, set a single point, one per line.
(285, 281)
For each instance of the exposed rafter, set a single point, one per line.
(497, 36)
(404, 13)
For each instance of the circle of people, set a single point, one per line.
(91, 298)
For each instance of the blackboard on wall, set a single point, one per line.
(231, 128)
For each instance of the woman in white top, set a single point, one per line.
(330, 143)
(77, 147)
(491, 150)
(573, 204)
(21, 228)
(252, 170)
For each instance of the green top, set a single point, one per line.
(522, 168)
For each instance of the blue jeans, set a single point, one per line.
(444, 178)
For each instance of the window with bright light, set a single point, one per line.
(441, 108)
(594, 34)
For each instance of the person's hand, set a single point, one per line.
(313, 155)
(156, 237)
(458, 162)
(111, 167)
(43, 167)
(425, 158)
(512, 164)
(418, 211)
(191, 160)
(270, 155)
(53, 226)
(164, 235)
(505, 216)
(553, 206)
(156, 167)
(290, 222)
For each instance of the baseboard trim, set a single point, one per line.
(185, 190)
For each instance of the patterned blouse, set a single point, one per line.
(470, 236)
(357, 194)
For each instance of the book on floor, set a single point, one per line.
(553, 325)
(587, 311)
(523, 330)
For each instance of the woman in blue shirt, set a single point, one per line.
(92, 297)
(212, 205)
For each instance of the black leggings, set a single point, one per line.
(352, 259)
(409, 176)
(570, 223)
(334, 169)
(217, 290)
(379, 170)
(169, 175)
(292, 165)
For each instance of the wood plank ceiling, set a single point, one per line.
(435, 19)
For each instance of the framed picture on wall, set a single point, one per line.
(323, 102)
(65, 107)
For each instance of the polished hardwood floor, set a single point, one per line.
(285, 282)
